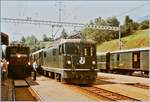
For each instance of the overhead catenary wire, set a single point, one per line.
(131, 10)
(60, 23)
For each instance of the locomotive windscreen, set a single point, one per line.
(80, 49)
(72, 48)
(21, 50)
(18, 55)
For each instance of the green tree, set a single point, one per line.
(112, 21)
(45, 38)
(129, 25)
(127, 20)
(144, 25)
(99, 21)
(102, 35)
(23, 39)
(32, 42)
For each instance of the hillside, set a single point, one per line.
(136, 40)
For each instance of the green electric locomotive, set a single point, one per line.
(69, 60)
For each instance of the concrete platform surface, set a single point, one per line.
(124, 78)
(5, 90)
(50, 90)
(127, 90)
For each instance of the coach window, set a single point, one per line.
(118, 57)
(44, 54)
(135, 58)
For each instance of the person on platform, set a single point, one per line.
(1, 68)
(4, 71)
(34, 69)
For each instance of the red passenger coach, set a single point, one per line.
(18, 59)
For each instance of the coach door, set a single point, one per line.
(136, 59)
(108, 61)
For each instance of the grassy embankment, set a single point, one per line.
(138, 39)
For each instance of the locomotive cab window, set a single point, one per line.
(87, 51)
(92, 51)
(71, 48)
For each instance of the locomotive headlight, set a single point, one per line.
(93, 62)
(7, 62)
(29, 63)
(18, 55)
(69, 62)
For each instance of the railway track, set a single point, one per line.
(110, 96)
(19, 91)
(140, 86)
(11, 91)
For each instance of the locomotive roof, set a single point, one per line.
(61, 41)
(4, 34)
(127, 50)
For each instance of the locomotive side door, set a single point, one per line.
(136, 60)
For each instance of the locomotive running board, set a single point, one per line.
(65, 69)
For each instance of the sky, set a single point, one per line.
(71, 11)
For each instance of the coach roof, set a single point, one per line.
(131, 50)
(76, 40)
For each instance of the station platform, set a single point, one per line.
(49, 90)
(5, 90)
(123, 79)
